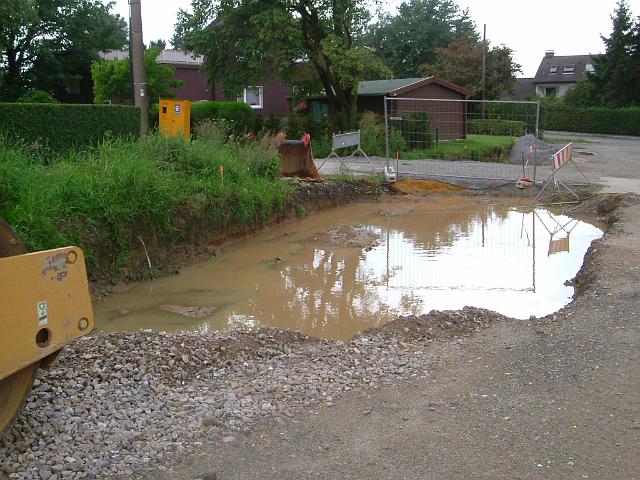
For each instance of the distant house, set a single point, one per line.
(447, 117)
(523, 89)
(558, 74)
(268, 96)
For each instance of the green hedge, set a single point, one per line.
(240, 115)
(615, 121)
(61, 127)
(492, 126)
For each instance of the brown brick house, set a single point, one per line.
(267, 96)
(447, 116)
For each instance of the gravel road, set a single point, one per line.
(116, 403)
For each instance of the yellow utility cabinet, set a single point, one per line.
(175, 118)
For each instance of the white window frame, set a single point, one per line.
(590, 68)
(553, 69)
(571, 69)
(243, 97)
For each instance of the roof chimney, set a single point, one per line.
(549, 53)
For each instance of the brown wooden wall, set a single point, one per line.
(448, 117)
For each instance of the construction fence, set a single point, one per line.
(440, 138)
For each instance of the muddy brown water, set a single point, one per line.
(340, 271)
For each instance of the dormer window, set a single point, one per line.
(554, 69)
(569, 69)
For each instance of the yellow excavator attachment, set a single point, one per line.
(44, 305)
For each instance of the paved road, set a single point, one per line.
(613, 162)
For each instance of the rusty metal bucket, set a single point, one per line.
(297, 158)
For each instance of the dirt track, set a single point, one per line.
(554, 398)
(551, 398)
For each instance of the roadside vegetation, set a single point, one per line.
(485, 148)
(127, 204)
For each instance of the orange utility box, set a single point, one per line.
(175, 118)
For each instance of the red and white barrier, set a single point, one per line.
(561, 157)
(559, 160)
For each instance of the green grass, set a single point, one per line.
(162, 191)
(488, 148)
(564, 140)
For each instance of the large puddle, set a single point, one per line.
(344, 270)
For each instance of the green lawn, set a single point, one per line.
(484, 148)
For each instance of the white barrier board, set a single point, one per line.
(342, 140)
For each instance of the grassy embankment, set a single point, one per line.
(124, 201)
(484, 148)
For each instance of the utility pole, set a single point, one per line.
(136, 57)
(484, 66)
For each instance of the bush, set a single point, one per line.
(62, 127)
(614, 121)
(416, 130)
(372, 132)
(37, 96)
(240, 115)
(494, 126)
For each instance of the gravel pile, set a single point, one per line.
(119, 403)
(521, 148)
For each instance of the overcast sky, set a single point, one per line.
(569, 27)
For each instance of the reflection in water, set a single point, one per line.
(445, 254)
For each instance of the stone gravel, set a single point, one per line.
(120, 403)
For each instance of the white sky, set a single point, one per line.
(570, 27)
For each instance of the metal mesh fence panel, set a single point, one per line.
(462, 138)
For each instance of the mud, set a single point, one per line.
(338, 272)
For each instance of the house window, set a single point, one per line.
(569, 69)
(253, 96)
(550, 92)
(554, 69)
(590, 68)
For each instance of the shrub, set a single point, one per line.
(372, 133)
(416, 130)
(37, 96)
(492, 126)
(615, 121)
(62, 127)
(240, 115)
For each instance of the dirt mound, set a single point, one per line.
(348, 236)
(521, 150)
(410, 186)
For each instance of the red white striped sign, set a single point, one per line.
(561, 157)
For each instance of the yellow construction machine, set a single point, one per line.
(44, 305)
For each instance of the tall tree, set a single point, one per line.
(48, 43)
(634, 73)
(411, 37)
(461, 63)
(613, 77)
(245, 40)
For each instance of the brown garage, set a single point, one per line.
(445, 110)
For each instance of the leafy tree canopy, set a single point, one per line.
(410, 38)
(246, 40)
(112, 78)
(461, 63)
(46, 43)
